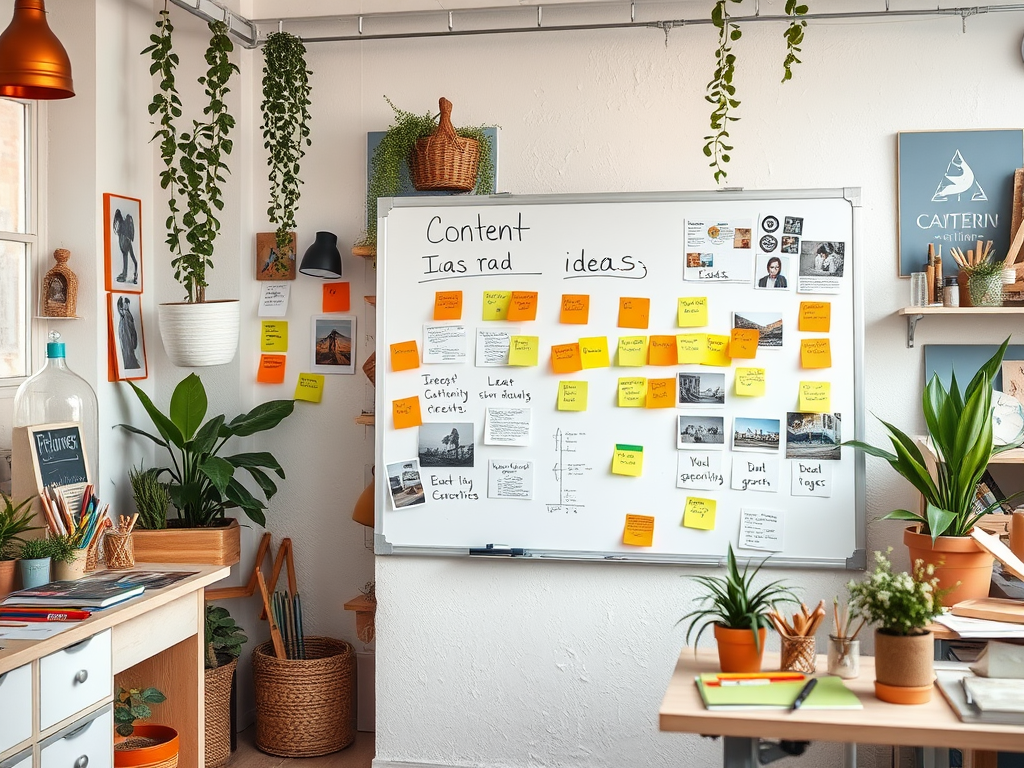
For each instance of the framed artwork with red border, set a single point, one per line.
(126, 341)
(122, 243)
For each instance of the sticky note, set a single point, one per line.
(661, 393)
(632, 351)
(405, 356)
(632, 393)
(638, 531)
(523, 306)
(628, 460)
(271, 370)
(336, 297)
(565, 358)
(448, 305)
(310, 387)
(815, 316)
(718, 351)
(594, 352)
(575, 309)
(750, 382)
(691, 348)
(693, 311)
(743, 343)
(699, 513)
(274, 336)
(663, 350)
(406, 412)
(496, 304)
(523, 350)
(815, 353)
(634, 312)
(815, 397)
(572, 395)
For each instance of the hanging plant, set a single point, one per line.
(285, 127)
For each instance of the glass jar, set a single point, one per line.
(843, 657)
(950, 292)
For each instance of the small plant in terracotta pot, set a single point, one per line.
(15, 520)
(143, 744)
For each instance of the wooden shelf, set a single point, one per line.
(366, 419)
(913, 314)
(371, 300)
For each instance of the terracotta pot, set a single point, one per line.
(959, 563)
(737, 651)
(163, 754)
(904, 661)
(8, 569)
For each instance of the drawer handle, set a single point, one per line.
(79, 646)
(82, 762)
(78, 731)
(81, 675)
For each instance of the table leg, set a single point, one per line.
(738, 752)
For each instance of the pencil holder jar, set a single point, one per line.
(119, 551)
(69, 571)
(843, 657)
(798, 654)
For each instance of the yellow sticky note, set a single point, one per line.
(638, 531)
(565, 358)
(523, 306)
(448, 305)
(815, 316)
(523, 350)
(405, 356)
(274, 336)
(634, 312)
(699, 513)
(310, 387)
(572, 395)
(632, 351)
(575, 309)
(633, 393)
(743, 343)
(718, 351)
(691, 348)
(661, 393)
(628, 460)
(815, 353)
(663, 350)
(693, 311)
(594, 352)
(496, 304)
(815, 397)
(750, 382)
(406, 412)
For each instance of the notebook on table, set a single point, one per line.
(829, 693)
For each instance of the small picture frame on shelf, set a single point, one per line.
(334, 344)
(122, 243)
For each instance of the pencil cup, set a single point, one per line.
(119, 551)
(92, 557)
(843, 657)
(798, 654)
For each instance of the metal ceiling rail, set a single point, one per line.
(243, 30)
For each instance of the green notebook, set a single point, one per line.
(829, 693)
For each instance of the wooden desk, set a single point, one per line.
(932, 724)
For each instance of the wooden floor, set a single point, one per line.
(357, 755)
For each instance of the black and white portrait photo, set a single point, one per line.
(772, 271)
(122, 241)
(446, 444)
(127, 341)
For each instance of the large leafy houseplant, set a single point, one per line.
(201, 482)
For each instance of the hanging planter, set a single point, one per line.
(202, 334)
(444, 161)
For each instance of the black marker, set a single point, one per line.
(804, 693)
(498, 550)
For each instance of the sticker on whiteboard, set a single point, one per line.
(492, 345)
(812, 478)
(444, 343)
(406, 485)
(770, 224)
(509, 479)
(700, 432)
(761, 529)
(507, 426)
(755, 473)
(700, 471)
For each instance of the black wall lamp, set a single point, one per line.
(322, 258)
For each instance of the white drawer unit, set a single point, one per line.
(15, 717)
(21, 760)
(88, 743)
(74, 678)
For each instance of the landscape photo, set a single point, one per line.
(333, 344)
(701, 432)
(767, 324)
(813, 436)
(406, 486)
(755, 434)
(700, 389)
(446, 444)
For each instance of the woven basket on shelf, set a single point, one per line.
(218, 714)
(304, 708)
(445, 160)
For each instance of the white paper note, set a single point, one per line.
(761, 529)
(755, 473)
(444, 343)
(492, 346)
(509, 479)
(274, 299)
(812, 478)
(700, 471)
(507, 426)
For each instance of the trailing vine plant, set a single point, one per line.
(193, 160)
(794, 35)
(285, 127)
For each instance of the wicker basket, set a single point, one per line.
(92, 557)
(798, 654)
(218, 714)
(304, 708)
(119, 551)
(444, 161)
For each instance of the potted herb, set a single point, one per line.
(151, 498)
(15, 520)
(195, 332)
(738, 613)
(34, 563)
(224, 639)
(67, 556)
(145, 744)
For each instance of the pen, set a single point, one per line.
(804, 693)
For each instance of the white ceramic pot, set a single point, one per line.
(197, 335)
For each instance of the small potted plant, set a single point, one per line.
(224, 639)
(67, 557)
(738, 613)
(150, 497)
(34, 563)
(15, 520)
(142, 744)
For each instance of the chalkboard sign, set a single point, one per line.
(59, 455)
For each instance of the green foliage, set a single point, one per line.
(394, 148)
(794, 35)
(151, 498)
(285, 127)
(202, 484)
(223, 636)
(63, 547)
(899, 604)
(986, 268)
(15, 519)
(960, 428)
(193, 160)
(34, 549)
(734, 603)
(133, 704)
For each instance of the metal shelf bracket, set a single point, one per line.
(911, 328)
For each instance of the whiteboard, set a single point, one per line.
(524, 476)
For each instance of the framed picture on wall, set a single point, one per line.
(122, 243)
(126, 340)
(270, 263)
(334, 343)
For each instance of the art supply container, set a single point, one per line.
(951, 293)
(70, 571)
(119, 551)
(34, 572)
(843, 657)
(918, 289)
(798, 654)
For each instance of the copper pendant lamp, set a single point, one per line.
(33, 63)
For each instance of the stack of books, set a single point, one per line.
(981, 699)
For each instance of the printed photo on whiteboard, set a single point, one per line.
(767, 324)
(446, 444)
(790, 244)
(750, 434)
(718, 250)
(821, 266)
(773, 271)
(509, 479)
(334, 344)
(405, 484)
(793, 225)
(444, 343)
(741, 238)
(700, 389)
(814, 436)
(701, 432)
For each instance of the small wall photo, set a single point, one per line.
(333, 342)
(122, 243)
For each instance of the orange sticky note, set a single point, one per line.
(405, 356)
(634, 312)
(448, 305)
(336, 297)
(406, 412)
(661, 393)
(743, 343)
(718, 351)
(815, 353)
(565, 358)
(523, 306)
(575, 309)
(662, 351)
(638, 531)
(815, 316)
(271, 370)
